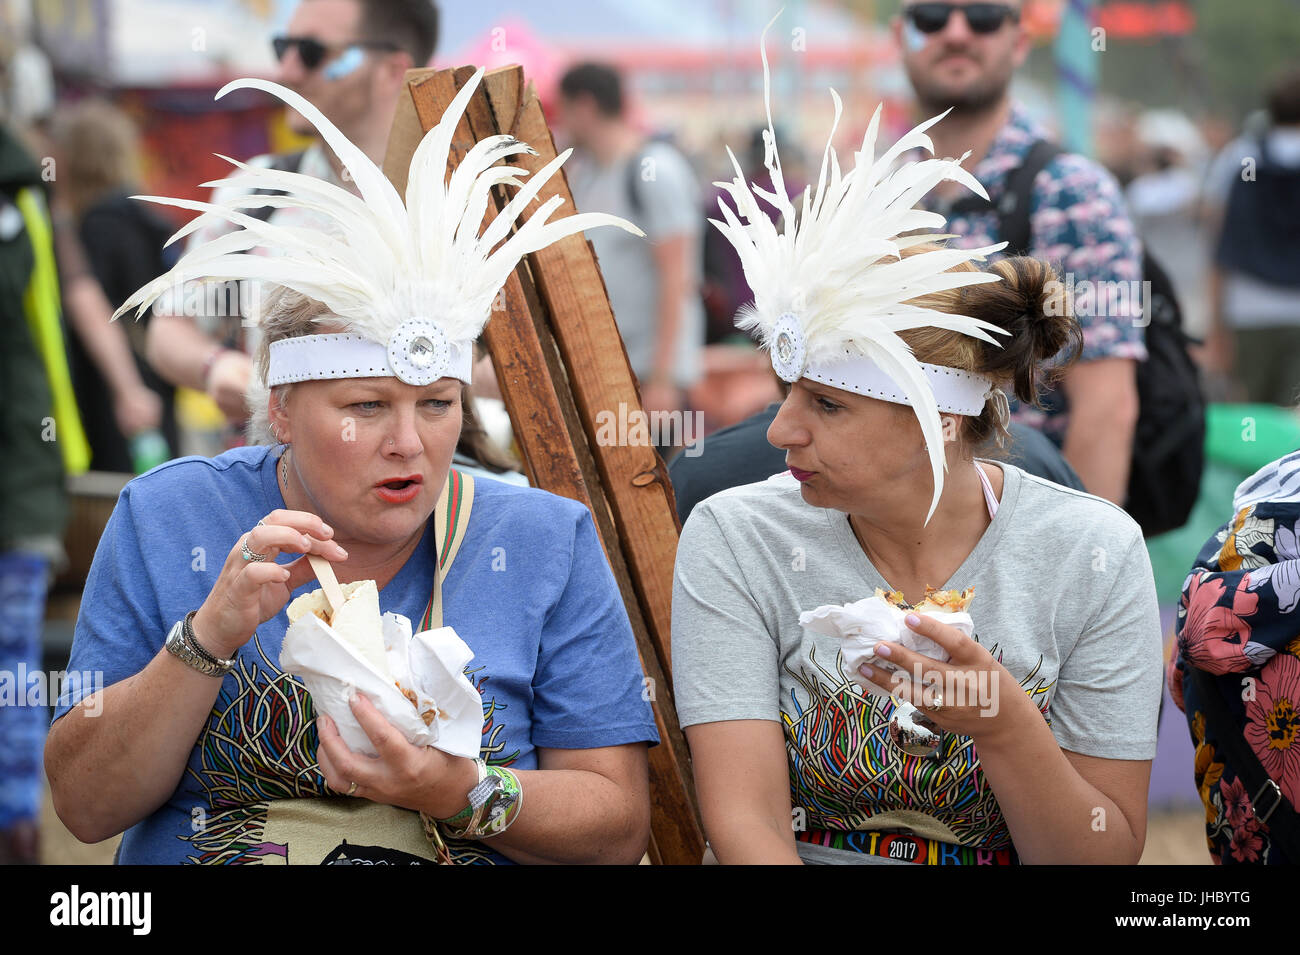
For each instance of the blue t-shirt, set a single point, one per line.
(529, 591)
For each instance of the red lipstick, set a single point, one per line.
(399, 490)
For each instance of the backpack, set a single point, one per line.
(1261, 223)
(1169, 440)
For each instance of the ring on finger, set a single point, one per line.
(248, 554)
(353, 788)
(937, 705)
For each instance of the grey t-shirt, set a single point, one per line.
(670, 205)
(1064, 598)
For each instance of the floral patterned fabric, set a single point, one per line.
(1238, 621)
(1078, 222)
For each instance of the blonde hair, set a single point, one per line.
(99, 152)
(291, 314)
(1031, 304)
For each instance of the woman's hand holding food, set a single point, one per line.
(972, 694)
(414, 777)
(249, 590)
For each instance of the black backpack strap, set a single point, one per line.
(284, 162)
(632, 176)
(1275, 812)
(1016, 203)
(287, 162)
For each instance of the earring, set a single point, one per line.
(1001, 408)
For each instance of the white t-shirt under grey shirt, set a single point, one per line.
(1064, 598)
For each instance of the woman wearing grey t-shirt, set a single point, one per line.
(1049, 720)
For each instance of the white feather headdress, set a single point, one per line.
(831, 286)
(413, 283)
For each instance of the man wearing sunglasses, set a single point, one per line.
(962, 56)
(349, 59)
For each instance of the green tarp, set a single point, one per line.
(1239, 440)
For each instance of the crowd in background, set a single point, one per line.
(1177, 176)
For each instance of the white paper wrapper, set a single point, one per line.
(430, 664)
(863, 624)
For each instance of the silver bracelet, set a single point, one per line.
(182, 644)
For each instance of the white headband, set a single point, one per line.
(418, 353)
(955, 391)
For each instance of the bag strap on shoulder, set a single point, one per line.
(1016, 202)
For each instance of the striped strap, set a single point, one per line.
(450, 518)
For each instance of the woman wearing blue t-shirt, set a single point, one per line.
(180, 728)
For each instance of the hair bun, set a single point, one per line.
(1032, 304)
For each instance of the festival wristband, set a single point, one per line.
(465, 815)
(509, 802)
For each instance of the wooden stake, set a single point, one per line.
(560, 362)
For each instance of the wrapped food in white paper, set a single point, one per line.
(863, 624)
(416, 682)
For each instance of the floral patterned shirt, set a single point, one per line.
(1237, 620)
(1080, 224)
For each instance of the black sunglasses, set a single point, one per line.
(982, 17)
(313, 52)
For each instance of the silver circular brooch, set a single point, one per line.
(419, 351)
(787, 348)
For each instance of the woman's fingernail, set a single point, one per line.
(329, 531)
(866, 671)
(306, 541)
(913, 620)
(882, 649)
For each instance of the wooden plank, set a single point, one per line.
(642, 502)
(553, 439)
(573, 291)
(674, 792)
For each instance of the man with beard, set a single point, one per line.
(349, 59)
(961, 56)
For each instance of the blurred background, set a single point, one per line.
(123, 89)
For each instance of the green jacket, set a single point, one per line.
(40, 432)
